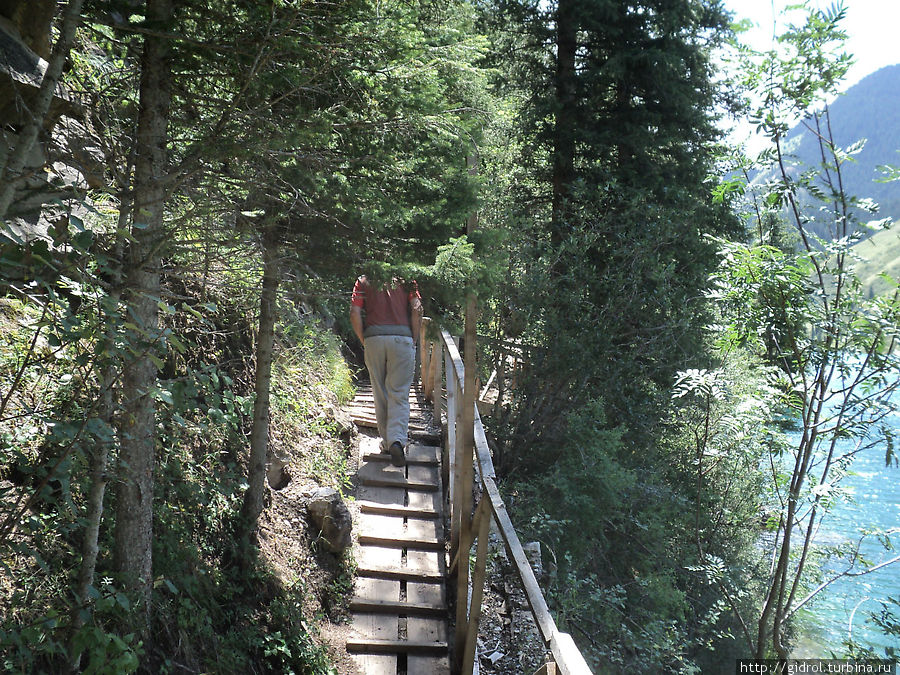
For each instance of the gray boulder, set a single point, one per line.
(328, 514)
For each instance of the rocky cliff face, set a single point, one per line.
(25, 30)
(30, 20)
(24, 48)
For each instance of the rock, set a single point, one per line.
(533, 553)
(328, 513)
(30, 19)
(494, 656)
(277, 473)
(344, 422)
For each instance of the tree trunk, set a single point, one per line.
(564, 127)
(259, 435)
(100, 456)
(137, 436)
(16, 160)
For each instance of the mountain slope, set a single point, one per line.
(869, 110)
(878, 255)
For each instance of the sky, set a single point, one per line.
(872, 39)
(871, 26)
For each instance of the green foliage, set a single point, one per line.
(594, 506)
(607, 246)
(801, 310)
(205, 405)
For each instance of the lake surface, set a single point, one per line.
(875, 503)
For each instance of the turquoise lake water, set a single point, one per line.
(875, 503)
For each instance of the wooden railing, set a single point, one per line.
(466, 450)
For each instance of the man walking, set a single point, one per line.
(388, 333)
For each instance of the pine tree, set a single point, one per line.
(617, 132)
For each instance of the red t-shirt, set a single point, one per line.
(384, 307)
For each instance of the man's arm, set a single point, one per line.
(356, 321)
(416, 317)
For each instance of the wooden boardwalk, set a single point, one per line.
(400, 616)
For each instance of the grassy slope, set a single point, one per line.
(879, 254)
(207, 615)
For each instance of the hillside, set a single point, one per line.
(880, 254)
(869, 110)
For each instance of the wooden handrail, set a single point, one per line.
(465, 528)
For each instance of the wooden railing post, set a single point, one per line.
(568, 660)
(483, 522)
(425, 364)
(465, 471)
(452, 410)
(437, 393)
(434, 376)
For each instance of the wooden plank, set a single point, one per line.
(427, 629)
(402, 541)
(397, 646)
(396, 607)
(369, 422)
(450, 433)
(430, 500)
(390, 510)
(430, 594)
(399, 573)
(421, 528)
(368, 589)
(426, 436)
(372, 626)
(380, 470)
(377, 626)
(367, 408)
(368, 412)
(430, 562)
(390, 496)
(364, 393)
(416, 402)
(411, 460)
(436, 377)
(424, 474)
(483, 523)
(463, 477)
(400, 483)
(381, 525)
(379, 558)
(569, 660)
(425, 453)
(421, 565)
(533, 593)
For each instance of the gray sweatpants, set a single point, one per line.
(391, 361)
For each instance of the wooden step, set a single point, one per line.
(416, 454)
(369, 422)
(371, 646)
(405, 483)
(401, 542)
(396, 510)
(398, 607)
(429, 436)
(379, 563)
(400, 574)
(378, 457)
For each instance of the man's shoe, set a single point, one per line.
(397, 458)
